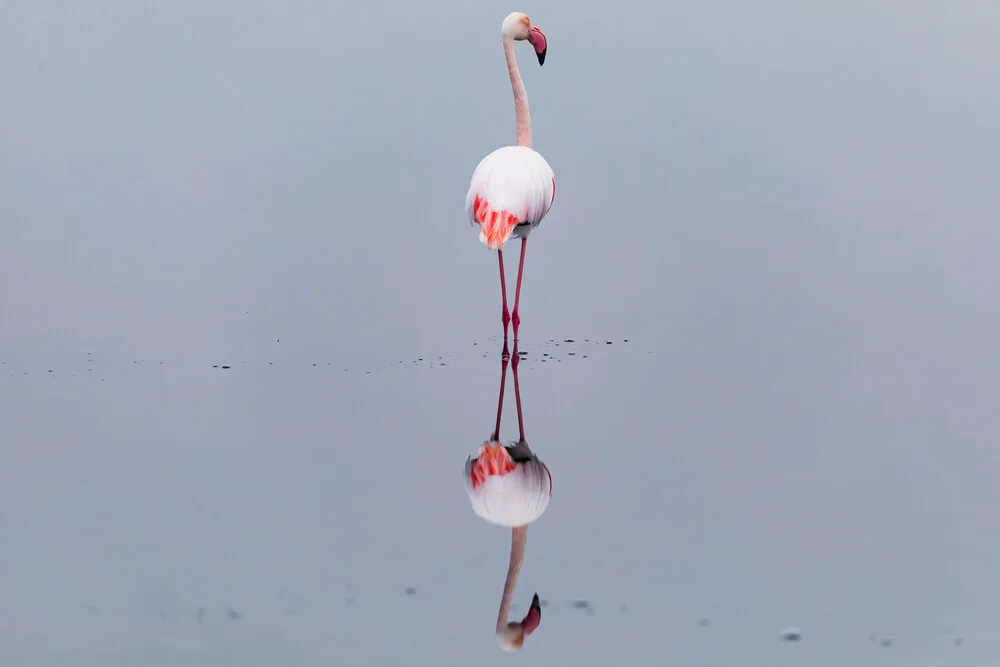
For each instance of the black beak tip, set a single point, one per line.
(535, 602)
(541, 57)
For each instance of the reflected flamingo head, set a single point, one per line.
(511, 638)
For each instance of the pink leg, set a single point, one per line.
(517, 390)
(504, 358)
(517, 290)
(505, 315)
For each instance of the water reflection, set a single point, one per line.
(509, 486)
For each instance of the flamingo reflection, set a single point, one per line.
(509, 486)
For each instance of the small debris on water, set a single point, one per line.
(226, 367)
(886, 642)
(791, 635)
(411, 591)
(234, 615)
(703, 622)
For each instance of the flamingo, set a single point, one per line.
(513, 187)
(510, 486)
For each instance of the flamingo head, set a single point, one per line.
(519, 27)
(511, 638)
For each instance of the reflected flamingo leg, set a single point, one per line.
(517, 391)
(505, 315)
(517, 290)
(504, 358)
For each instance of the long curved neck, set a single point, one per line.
(520, 95)
(518, 538)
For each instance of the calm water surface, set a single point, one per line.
(307, 499)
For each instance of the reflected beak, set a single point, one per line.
(534, 616)
(537, 39)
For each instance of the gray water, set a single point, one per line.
(789, 212)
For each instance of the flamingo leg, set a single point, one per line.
(517, 290)
(504, 358)
(517, 390)
(505, 315)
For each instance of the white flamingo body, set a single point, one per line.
(512, 189)
(512, 498)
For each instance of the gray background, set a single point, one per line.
(789, 210)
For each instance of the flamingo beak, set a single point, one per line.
(534, 616)
(537, 39)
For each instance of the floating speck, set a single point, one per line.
(886, 642)
(791, 635)
(569, 340)
(226, 367)
(411, 591)
(234, 615)
(703, 622)
(958, 641)
(581, 604)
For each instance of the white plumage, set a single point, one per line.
(512, 189)
(512, 499)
